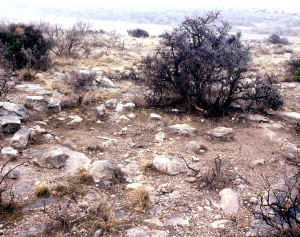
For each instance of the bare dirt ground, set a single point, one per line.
(179, 205)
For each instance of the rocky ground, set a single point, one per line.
(111, 167)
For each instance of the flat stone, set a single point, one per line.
(105, 170)
(219, 224)
(37, 130)
(229, 201)
(289, 85)
(9, 153)
(160, 137)
(129, 106)
(38, 103)
(257, 162)
(221, 133)
(291, 115)
(194, 148)
(144, 231)
(124, 117)
(178, 219)
(20, 140)
(154, 116)
(75, 119)
(9, 124)
(34, 88)
(257, 118)
(11, 109)
(183, 129)
(105, 82)
(169, 165)
(131, 116)
(111, 104)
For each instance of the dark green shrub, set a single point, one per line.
(297, 75)
(25, 46)
(276, 39)
(138, 33)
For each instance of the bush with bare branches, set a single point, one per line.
(201, 65)
(80, 82)
(68, 42)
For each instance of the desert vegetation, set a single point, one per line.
(204, 66)
(193, 133)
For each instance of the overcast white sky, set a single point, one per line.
(178, 3)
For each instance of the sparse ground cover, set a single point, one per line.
(92, 173)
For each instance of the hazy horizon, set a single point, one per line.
(288, 4)
(155, 16)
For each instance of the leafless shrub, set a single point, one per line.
(68, 42)
(111, 41)
(80, 82)
(280, 207)
(97, 217)
(7, 188)
(200, 65)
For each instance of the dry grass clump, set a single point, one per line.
(84, 176)
(147, 166)
(43, 189)
(140, 198)
(63, 188)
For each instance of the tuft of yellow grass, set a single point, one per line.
(140, 198)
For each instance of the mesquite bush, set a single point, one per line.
(201, 65)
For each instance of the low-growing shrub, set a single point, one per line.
(276, 39)
(138, 33)
(80, 82)
(25, 46)
(297, 75)
(201, 65)
(293, 68)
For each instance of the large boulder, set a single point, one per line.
(20, 140)
(38, 103)
(59, 157)
(170, 165)
(183, 129)
(11, 109)
(221, 133)
(105, 170)
(9, 124)
(229, 201)
(55, 158)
